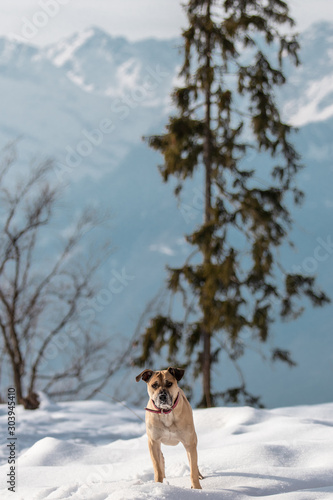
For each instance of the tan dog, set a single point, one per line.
(169, 420)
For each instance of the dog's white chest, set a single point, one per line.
(170, 437)
(167, 420)
(166, 431)
(169, 432)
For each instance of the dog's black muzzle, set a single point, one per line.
(164, 399)
(163, 396)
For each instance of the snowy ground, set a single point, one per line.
(98, 451)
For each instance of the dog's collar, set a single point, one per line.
(160, 410)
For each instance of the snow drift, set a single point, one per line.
(98, 451)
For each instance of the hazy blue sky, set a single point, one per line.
(133, 18)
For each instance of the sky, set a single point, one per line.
(45, 21)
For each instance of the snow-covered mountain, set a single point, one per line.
(57, 96)
(90, 98)
(309, 96)
(108, 66)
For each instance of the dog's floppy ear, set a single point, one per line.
(178, 373)
(145, 375)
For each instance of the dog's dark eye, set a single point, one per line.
(154, 386)
(168, 384)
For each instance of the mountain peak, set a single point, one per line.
(97, 33)
(93, 38)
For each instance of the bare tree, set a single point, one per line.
(45, 338)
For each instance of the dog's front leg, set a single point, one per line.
(157, 459)
(193, 460)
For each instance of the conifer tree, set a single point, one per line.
(225, 109)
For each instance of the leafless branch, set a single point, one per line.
(39, 296)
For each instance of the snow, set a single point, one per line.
(97, 450)
(314, 105)
(65, 50)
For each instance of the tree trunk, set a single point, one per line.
(206, 369)
(206, 333)
(18, 382)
